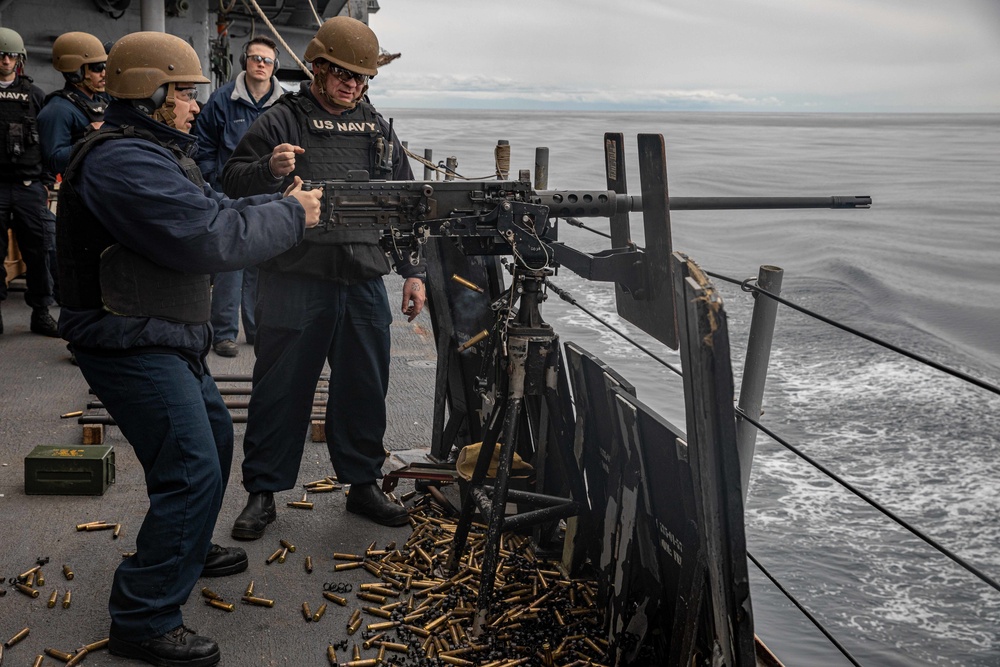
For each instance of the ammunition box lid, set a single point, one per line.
(70, 452)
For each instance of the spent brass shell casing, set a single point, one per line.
(40, 578)
(482, 335)
(340, 567)
(260, 602)
(70, 415)
(59, 655)
(393, 646)
(118, 531)
(98, 645)
(210, 594)
(83, 526)
(309, 564)
(283, 556)
(319, 613)
(100, 526)
(77, 657)
(377, 627)
(18, 637)
(323, 488)
(371, 641)
(219, 604)
(340, 556)
(356, 652)
(333, 597)
(377, 599)
(451, 660)
(380, 658)
(25, 575)
(27, 590)
(288, 545)
(306, 612)
(466, 283)
(301, 504)
(39, 659)
(53, 598)
(331, 656)
(367, 662)
(67, 572)
(249, 591)
(355, 616)
(375, 611)
(354, 627)
(273, 557)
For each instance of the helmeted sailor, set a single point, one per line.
(323, 300)
(79, 105)
(24, 181)
(136, 246)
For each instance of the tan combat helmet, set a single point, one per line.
(346, 42)
(73, 50)
(11, 42)
(141, 62)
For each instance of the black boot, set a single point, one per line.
(368, 500)
(42, 323)
(223, 561)
(180, 647)
(253, 520)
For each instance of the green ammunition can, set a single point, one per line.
(69, 471)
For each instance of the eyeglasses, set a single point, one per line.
(9, 54)
(187, 94)
(97, 67)
(345, 75)
(261, 59)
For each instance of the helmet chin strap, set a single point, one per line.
(90, 86)
(165, 112)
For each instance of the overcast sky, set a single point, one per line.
(733, 55)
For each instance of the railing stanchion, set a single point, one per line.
(755, 369)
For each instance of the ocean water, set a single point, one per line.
(920, 269)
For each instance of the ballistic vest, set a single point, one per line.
(20, 150)
(92, 108)
(97, 272)
(333, 146)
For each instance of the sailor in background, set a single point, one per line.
(136, 246)
(223, 121)
(325, 299)
(77, 107)
(23, 181)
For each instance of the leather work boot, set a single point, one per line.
(226, 348)
(42, 323)
(223, 561)
(253, 520)
(368, 500)
(180, 647)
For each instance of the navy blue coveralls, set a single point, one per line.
(317, 303)
(149, 372)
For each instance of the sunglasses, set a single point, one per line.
(8, 54)
(97, 67)
(261, 59)
(187, 94)
(345, 75)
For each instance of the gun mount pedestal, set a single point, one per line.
(530, 362)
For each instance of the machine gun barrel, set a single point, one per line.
(604, 204)
(729, 203)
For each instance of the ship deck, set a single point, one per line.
(38, 384)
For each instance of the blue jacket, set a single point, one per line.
(60, 123)
(223, 121)
(150, 206)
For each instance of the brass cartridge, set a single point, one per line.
(83, 526)
(306, 612)
(377, 599)
(249, 591)
(367, 662)
(260, 602)
(340, 556)
(77, 657)
(482, 335)
(371, 641)
(21, 634)
(333, 597)
(309, 564)
(98, 645)
(25, 575)
(70, 415)
(376, 611)
(288, 545)
(354, 627)
(340, 567)
(356, 653)
(451, 660)
(355, 616)
(40, 578)
(99, 526)
(52, 599)
(273, 557)
(300, 504)
(420, 632)
(393, 646)
(67, 572)
(210, 594)
(376, 627)
(466, 283)
(27, 590)
(331, 656)
(219, 604)
(319, 612)
(284, 555)
(39, 659)
(62, 656)
(380, 658)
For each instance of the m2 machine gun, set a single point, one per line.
(515, 392)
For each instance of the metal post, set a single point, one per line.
(428, 172)
(451, 164)
(755, 369)
(541, 168)
(152, 16)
